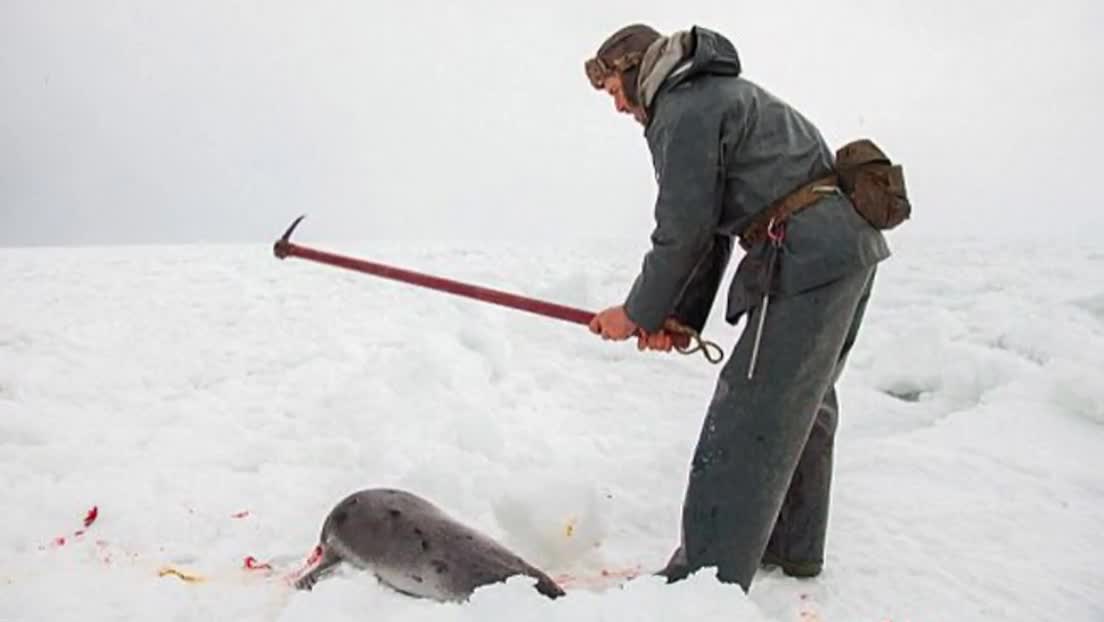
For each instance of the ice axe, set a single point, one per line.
(686, 340)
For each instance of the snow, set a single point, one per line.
(175, 387)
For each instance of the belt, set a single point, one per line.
(785, 207)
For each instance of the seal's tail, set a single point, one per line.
(548, 587)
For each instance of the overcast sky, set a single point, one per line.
(216, 120)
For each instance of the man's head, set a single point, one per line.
(615, 68)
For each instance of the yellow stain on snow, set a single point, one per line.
(186, 577)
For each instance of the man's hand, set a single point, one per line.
(672, 335)
(613, 323)
(661, 340)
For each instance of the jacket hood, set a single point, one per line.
(713, 54)
(683, 56)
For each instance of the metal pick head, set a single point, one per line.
(280, 248)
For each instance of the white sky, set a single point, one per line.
(219, 120)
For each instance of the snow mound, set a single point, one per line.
(554, 524)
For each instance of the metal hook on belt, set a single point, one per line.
(776, 232)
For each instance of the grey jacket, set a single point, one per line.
(724, 149)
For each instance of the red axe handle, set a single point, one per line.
(285, 248)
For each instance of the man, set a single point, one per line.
(734, 161)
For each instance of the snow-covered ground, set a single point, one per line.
(214, 403)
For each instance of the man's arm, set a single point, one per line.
(693, 307)
(686, 153)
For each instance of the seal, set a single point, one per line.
(415, 548)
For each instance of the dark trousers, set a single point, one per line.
(762, 470)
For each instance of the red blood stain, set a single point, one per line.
(251, 563)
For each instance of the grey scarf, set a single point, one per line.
(661, 60)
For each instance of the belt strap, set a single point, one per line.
(785, 207)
